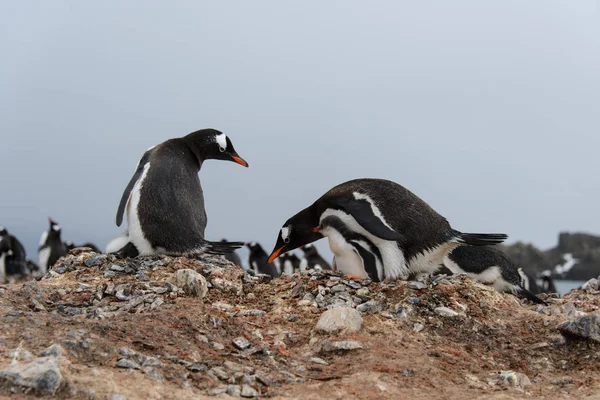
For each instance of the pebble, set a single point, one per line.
(60, 270)
(317, 360)
(416, 285)
(220, 373)
(303, 303)
(217, 391)
(223, 306)
(362, 292)
(445, 312)
(591, 285)
(338, 288)
(93, 261)
(142, 277)
(418, 327)
(292, 318)
(387, 314)
(252, 313)
(344, 345)
(218, 346)
(514, 379)
(241, 343)
(191, 282)
(234, 391)
(587, 327)
(341, 319)
(248, 391)
(109, 274)
(412, 300)
(54, 350)
(370, 306)
(41, 374)
(117, 268)
(126, 363)
(353, 284)
(297, 291)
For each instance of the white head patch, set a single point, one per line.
(222, 140)
(285, 233)
(56, 227)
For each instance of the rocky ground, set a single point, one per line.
(101, 328)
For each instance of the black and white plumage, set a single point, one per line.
(490, 266)
(70, 246)
(13, 260)
(290, 263)
(233, 257)
(258, 260)
(51, 246)
(313, 259)
(354, 254)
(410, 235)
(164, 202)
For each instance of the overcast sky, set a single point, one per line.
(489, 111)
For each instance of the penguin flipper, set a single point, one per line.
(220, 248)
(480, 239)
(368, 262)
(363, 213)
(130, 185)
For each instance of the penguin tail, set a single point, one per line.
(221, 248)
(526, 294)
(480, 239)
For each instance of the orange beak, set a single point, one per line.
(316, 230)
(240, 160)
(275, 254)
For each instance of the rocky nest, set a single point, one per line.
(97, 327)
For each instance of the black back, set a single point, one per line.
(314, 258)
(259, 258)
(16, 262)
(291, 257)
(53, 241)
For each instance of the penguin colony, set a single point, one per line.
(376, 229)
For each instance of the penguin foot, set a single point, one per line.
(354, 277)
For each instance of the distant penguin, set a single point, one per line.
(233, 257)
(164, 202)
(51, 246)
(290, 263)
(14, 259)
(529, 282)
(70, 246)
(547, 284)
(490, 266)
(258, 260)
(314, 259)
(410, 235)
(355, 255)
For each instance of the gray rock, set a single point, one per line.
(353, 284)
(54, 350)
(317, 360)
(191, 282)
(418, 327)
(416, 285)
(362, 292)
(234, 390)
(60, 270)
(142, 277)
(387, 314)
(248, 391)
(338, 288)
(117, 268)
(341, 319)
(109, 274)
(42, 375)
(514, 379)
(297, 291)
(217, 391)
(591, 285)
(412, 300)
(344, 345)
(93, 261)
(241, 343)
(370, 306)
(252, 313)
(445, 312)
(587, 327)
(128, 364)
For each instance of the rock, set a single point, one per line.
(387, 315)
(241, 343)
(371, 306)
(338, 288)
(220, 373)
(117, 268)
(223, 306)
(317, 360)
(353, 284)
(591, 285)
(217, 391)
(191, 282)
(587, 327)
(341, 319)
(93, 261)
(252, 313)
(297, 291)
(418, 327)
(234, 391)
(292, 318)
(118, 396)
(126, 363)
(248, 391)
(42, 375)
(344, 345)
(54, 350)
(445, 312)
(362, 292)
(514, 379)
(416, 285)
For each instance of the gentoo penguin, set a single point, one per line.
(257, 260)
(13, 260)
(529, 282)
(354, 254)
(313, 258)
(290, 263)
(233, 257)
(491, 266)
(164, 202)
(410, 235)
(51, 246)
(547, 285)
(70, 246)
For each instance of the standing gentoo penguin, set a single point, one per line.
(164, 202)
(491, 266)
(51, 246)
(233, 257)
(290, 263)
(410, 235)
(313, 258)
(354, 254)
(13, 260)
(257, 261)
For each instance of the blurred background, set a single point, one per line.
(489, 112)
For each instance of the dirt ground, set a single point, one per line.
(183, 345)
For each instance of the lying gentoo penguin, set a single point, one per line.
(51, 246)
(257, 260)
(164, 202)
(233, 257)
(490, 266)
(313, 258)
(354, 254)
(290, 263)
(70, 246)
(13, 260)
(410, 235)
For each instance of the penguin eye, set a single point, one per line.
(286, 240)
(221, 149)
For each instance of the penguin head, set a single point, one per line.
(296, 232)
(3, 231)
(214, 144)
(254, 247)
(54, 229)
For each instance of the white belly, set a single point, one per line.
(136, 235)
(44, 256)
(2, 267)
(490, 276)
(346, 258)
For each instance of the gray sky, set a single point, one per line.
(486, 110)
